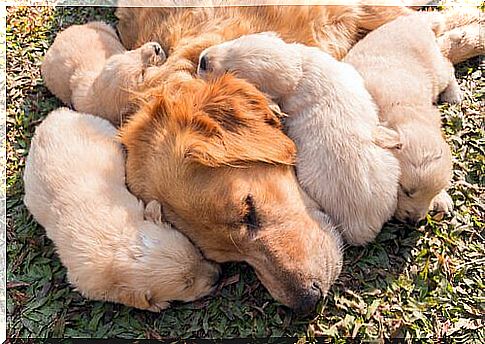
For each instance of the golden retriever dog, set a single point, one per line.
(213, 154)
(405, 72)
(338, 163)
(88, 68)
(75, 188)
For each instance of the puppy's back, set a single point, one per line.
(79, 47)
(401, 60)
(73, 156)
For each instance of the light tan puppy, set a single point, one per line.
(405, 72)
(331, 118)
(75, 188)
(88, 68)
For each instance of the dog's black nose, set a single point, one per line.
(308, 303)
(203, 63)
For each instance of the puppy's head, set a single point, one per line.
(173, 268)
(123, 76)
(263, 59)
(426, 169)
(128, 69)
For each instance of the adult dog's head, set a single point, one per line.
(214, 155)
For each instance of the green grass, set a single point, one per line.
(426, 282)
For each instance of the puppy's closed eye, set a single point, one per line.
(409, 192)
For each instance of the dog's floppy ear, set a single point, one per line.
(239, 150)
(386, 138)
(236, 126)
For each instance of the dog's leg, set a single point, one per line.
(442, 203)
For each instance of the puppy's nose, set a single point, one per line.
(203, 63)
(412, 220)
(309, 301)
(157, 48)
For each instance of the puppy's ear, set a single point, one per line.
(153, 212)
(386, 138)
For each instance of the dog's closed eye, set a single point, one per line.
(250, 219)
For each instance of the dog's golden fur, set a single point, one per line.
(405, 72)
(88, 68)
(185, 32)
(75, 188)
(214, 155)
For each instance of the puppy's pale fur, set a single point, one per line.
(405, 71)
(75, 188)
(88, 68)
(331, 118)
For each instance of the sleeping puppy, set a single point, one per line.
(405, 72)
(332, 119)
(75, 188)
(88, 68)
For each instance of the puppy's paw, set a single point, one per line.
(442, 203)
(153, 212)
(152, 54)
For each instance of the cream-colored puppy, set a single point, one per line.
(405, 72)
(88, 68)
(333, 121)
(75, 188)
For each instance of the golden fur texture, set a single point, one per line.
(185, 32)
(338, 162)
(88, 68)
(405, 72)
(214, 155)
(75, 188)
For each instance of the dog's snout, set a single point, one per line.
(203, 63)
(308, 303)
